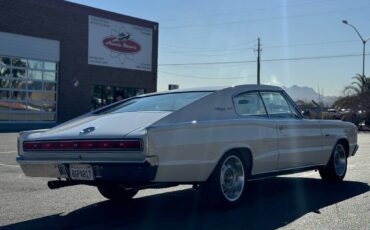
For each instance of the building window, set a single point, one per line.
(27, 89)
(105, 95)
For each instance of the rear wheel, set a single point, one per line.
(336, 168)
(116, 192)
(227, 184)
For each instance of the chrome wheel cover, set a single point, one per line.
(232, 178)
(340, 160)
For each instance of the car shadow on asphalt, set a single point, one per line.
(270, 204)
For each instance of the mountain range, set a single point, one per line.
(308, 94)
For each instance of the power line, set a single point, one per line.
(233, 66)
(207, 63)
(311, 44)
(199, 77)
(314, 57)
(222, 53)
(214, 49)
(241, 50)
(246, 11)
(265, 60)
(234, 46)
(262, 19)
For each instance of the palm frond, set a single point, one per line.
(361, 83)
(350, 89)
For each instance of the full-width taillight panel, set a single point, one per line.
(83, 145)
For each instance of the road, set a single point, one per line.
(297, 201)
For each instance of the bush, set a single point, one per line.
(351, 117)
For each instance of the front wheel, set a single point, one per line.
(227, 184)
(116, 192)
(336, 168)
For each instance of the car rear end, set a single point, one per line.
(121, 160)
(108, 145)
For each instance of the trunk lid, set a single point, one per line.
(114, 125)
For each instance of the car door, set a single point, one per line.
(300, 140)
(259, 132)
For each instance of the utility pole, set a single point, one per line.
(320, 101)
(258, 62)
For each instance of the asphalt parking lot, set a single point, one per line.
(297, 201)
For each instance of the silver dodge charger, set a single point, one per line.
(214, 138)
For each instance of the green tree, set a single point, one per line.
(360, 85)
(358, 97)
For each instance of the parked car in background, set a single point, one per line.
(218, 138)
(334, 114)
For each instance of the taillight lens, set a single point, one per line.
(115, 145)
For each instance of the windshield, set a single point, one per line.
(163, 102)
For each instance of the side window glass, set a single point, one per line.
(292, 107)
(249, 104)
(277, 106)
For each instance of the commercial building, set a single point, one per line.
(59, 60)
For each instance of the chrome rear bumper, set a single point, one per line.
(103, 170)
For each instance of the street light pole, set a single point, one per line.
(363, 45)
(363, 57)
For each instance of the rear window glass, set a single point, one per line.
(163, 102)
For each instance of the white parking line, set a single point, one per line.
(15, 166)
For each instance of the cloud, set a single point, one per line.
(273, 80)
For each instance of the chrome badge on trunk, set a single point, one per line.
(87, 130)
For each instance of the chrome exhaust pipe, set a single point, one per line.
(55, 184)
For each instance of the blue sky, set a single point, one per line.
(213, 31)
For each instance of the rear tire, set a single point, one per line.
(116, 192)
(336, 168)
(227, 184)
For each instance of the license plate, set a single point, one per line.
(81, 172)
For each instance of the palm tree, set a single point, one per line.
(360, 98)
(360, 85)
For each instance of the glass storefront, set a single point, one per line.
(105, 95)
(27, 89)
